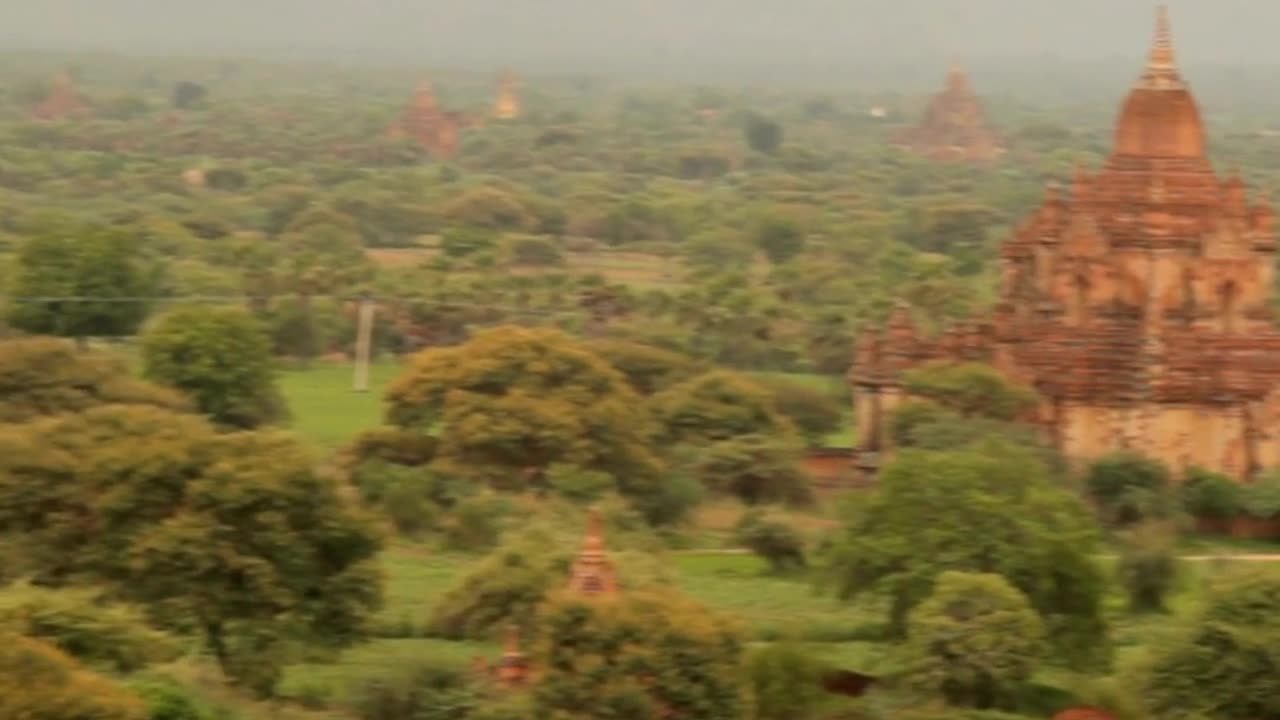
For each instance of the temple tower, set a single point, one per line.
(507, 104)
(593, 572)
(954, 126)
(1137, 304)
(62, 102)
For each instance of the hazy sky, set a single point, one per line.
(588, 33)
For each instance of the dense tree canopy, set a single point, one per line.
(639, 655)
(512, 402)
(38, 682)
(990, 509)
(1222, 662)
(219, 356)
(234, 537)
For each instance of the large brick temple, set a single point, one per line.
(1137, 303)
(954, 126)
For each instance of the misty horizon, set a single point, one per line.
(664, 35)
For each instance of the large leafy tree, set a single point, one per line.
(234, 538)
(219, 356)
(975, 641)
(636, 656)
(512, 402)
(990, 508)
(1224, 661)
(81, 281)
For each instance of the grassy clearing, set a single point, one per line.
(324, 408)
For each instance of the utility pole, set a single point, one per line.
(364, 342)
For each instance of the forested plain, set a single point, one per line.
(637, 297)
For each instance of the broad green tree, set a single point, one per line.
(1222, 662)
(81, 281)
(221, 357)
(512, 402)
(636, 656)
(233, 538)
(975, 641)
(970, 389)
(989, 509)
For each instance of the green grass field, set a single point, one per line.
(323, 407)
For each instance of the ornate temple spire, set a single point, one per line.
(1162, 67)
(592, 572)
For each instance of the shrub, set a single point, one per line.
(1261, 498)
(1129, 488)
(816, 414)
(1148, 567)
(579, 484)
(423, 691)
(109, 637)
(459, 242)
(1210, 495)
(402, 446)
(786, 682)
(975, 642)
(167, 699)
(475, 523)
(535, 251)
(775, 542)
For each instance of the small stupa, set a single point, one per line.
(593, 572)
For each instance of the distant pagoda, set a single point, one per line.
(954, 127)
(507, 106)
(62, 102)
(439, 131)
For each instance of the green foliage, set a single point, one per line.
(1222, 663)
(1210, 495)
(780, 239)
(1148, 567)
(785, 682)
(636, 656)
(1129, 488)
(647, 368)
(64, 261)
(220, 357)
(234, 537)
(754, 468)
(513, 402)
(975, 641)
(105, 636)
(772, 540)
(763, 135)
(971, 389)
(991, 508)
(44, 376)
(815, 413)
(421, 692)
(1261, 498)
(38, 682)
(467, 241)
(474, 524)
(187, 94)
(718, 405)
(167, 699)
(511, 582)
(535, 252)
